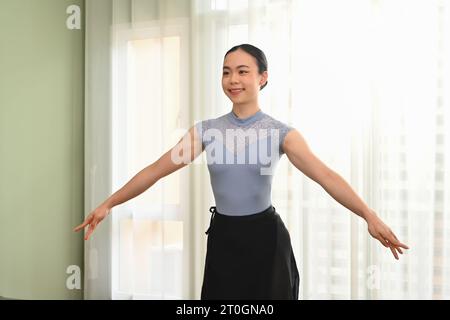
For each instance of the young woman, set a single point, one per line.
(249, 253)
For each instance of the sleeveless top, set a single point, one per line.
(242, 154)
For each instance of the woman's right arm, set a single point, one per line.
(184, 152)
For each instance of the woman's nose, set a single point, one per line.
(233, 78)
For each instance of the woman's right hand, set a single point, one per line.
(93, 219)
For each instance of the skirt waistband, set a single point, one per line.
(216, 214)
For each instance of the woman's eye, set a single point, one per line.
(225, 73)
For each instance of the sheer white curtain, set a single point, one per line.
(364, 81)
(368, 91)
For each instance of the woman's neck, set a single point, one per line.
(245, 111)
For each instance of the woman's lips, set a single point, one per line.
(235, 92)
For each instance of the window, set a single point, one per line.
(148, 119)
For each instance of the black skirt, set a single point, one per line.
(249, 257)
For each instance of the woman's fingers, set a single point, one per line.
(395, 249)
(383, 242)
(399, 244)
(387, 238)
(393, 240)
(394, 252)
(84, 224)
(90, 221)
(392, 246)
(91, 229)
(88, 234)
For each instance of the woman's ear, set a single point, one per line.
(264, 77)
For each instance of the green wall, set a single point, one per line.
(41, 148)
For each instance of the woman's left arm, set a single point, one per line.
(303, 159)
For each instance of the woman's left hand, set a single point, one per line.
(384, 234)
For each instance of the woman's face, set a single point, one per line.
(240, 71)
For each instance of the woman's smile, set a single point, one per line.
(235, 92)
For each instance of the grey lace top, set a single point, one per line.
(242, 154)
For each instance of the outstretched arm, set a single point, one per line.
(184, 152)
(302, 158)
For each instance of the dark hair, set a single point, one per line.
(256, 53)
